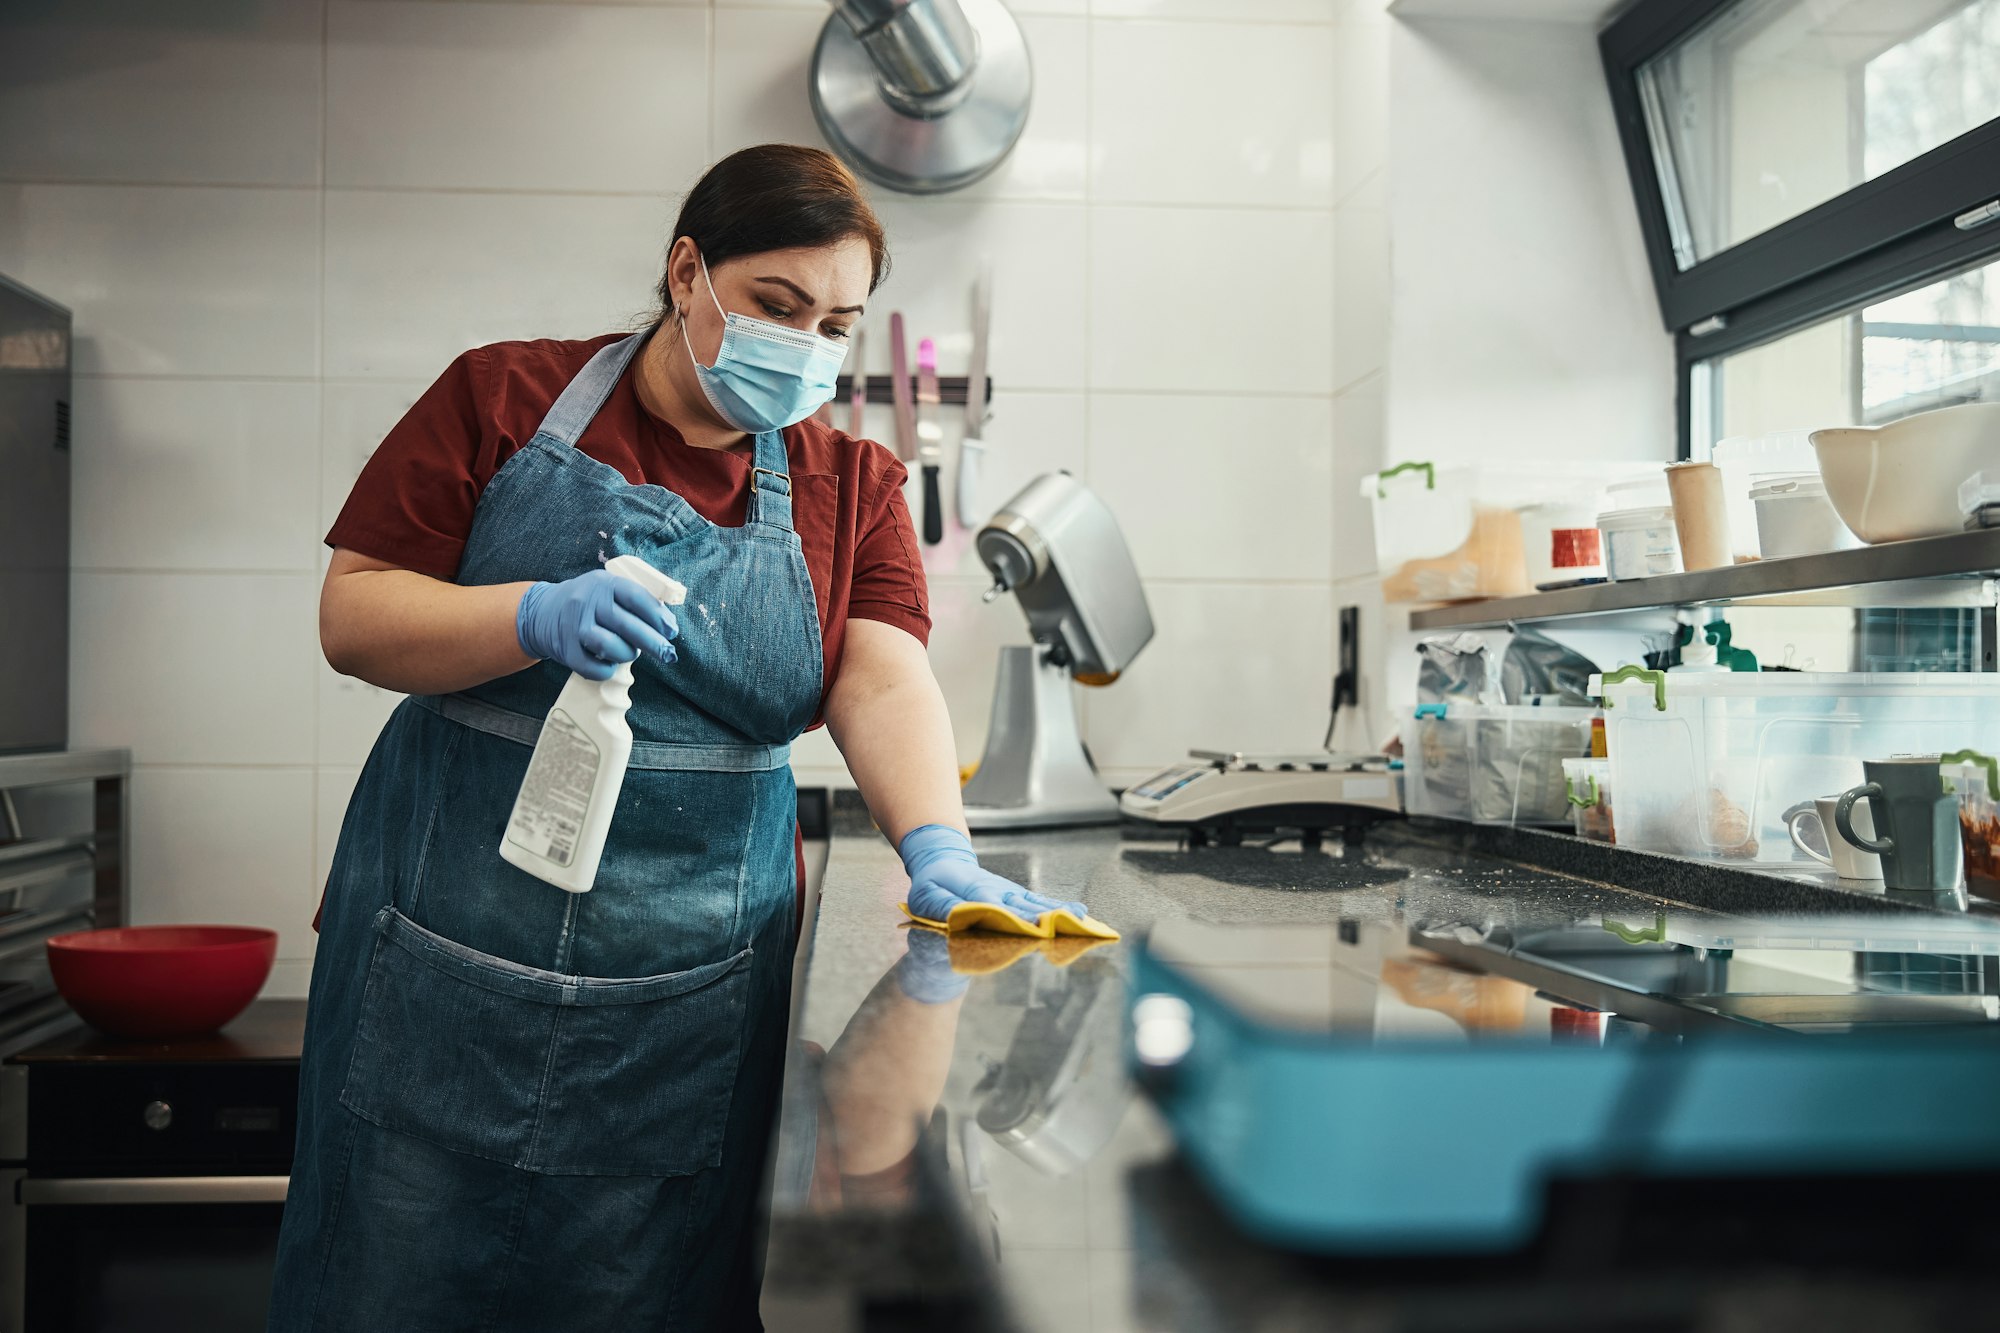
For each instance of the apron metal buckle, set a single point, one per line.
(769, 473)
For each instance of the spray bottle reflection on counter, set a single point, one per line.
(557, 829)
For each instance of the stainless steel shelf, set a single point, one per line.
(56, 876)
(42, 769)
(1957, 570)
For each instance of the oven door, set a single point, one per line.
(146, 1253)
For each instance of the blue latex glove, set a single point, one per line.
(924, 973)
(594, 622)
(944, 873)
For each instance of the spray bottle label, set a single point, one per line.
(555, 794)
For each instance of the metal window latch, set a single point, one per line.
(1978, 217)
(1713, 324)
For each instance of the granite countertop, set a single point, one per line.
(921, 1167)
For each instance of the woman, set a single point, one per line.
(525, 1108)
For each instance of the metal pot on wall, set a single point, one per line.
(922, 96)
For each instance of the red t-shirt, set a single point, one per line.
(412, 505)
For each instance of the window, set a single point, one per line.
(1773, 107)
(1818, 183)
(1930, 347)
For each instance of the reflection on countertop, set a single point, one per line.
(959, 1136)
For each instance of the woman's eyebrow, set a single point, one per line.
(806, 298)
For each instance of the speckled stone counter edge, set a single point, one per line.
(1716, 886)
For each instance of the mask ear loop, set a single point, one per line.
(710, 284)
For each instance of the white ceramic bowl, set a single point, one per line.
(1901, 480)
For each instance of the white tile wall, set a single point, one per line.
(1361, 283)
(1362, 316)
(1259, 129)
(1245, 496)
(1360, 435)
(502, 97)
(226, 845)
(1040, 274)
(194, 668)
(1238, 666)
(410, 274)
(1233, 11)
(1037, 432)
(196, 474)
(170, 280)
(277, 223)
(1361, 93)
(114, 90)
(1216, 300)
(354, 417)
(1548, 333)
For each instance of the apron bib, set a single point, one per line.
(521, 1107)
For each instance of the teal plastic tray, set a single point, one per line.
(1357, 1144)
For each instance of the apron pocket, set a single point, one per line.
(557, 1074)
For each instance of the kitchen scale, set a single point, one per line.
(1220, 796)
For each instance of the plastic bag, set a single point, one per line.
(1456, 670)
(1538, 669)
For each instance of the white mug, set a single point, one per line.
(1848, 861)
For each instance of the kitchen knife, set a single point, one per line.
(899, 370)
(857, 384)
(972, 447)
(929, 437)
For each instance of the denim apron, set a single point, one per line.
(522, 1108)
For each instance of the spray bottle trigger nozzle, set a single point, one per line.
(668, 590)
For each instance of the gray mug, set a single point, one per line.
(1917, 823)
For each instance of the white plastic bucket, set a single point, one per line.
(1794, 517)
(1746, 462)
(1561, 542)
(1639, 543)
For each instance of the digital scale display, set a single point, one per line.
(1164, 784)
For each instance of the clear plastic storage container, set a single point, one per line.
(1454, 532)
(1490, 763)
(1976, 779)
(1587, 785)
(1712, 764)
(1442, 534)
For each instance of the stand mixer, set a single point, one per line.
(1058, 549)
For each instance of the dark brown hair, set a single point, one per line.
(776, 196)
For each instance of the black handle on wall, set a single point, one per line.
(933, 507)
(881, 389)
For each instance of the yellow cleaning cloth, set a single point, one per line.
(981, 953)
(995, 918)
(1066, 949)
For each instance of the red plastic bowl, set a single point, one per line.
(162, 981)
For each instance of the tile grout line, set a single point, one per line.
(1083, 704)
(1333, 433)
(418, 383)
(1079, 200)
(1175, 20)
(319, 422)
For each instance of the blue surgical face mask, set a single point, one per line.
(766, 376)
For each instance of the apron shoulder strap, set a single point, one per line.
(577, 406)
(770, 483)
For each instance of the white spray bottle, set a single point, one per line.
(557, 829)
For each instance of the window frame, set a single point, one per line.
(1883, 236)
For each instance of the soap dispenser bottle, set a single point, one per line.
(563, 812)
